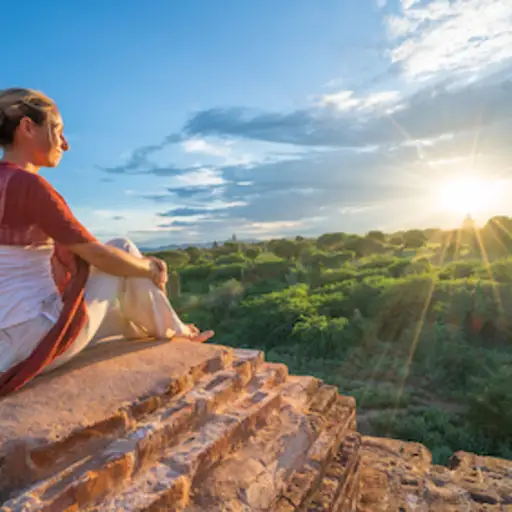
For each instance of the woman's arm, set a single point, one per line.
(114, 261)
(45, 207)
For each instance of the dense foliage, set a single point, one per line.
(416, 325)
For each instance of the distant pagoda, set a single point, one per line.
(468, 224)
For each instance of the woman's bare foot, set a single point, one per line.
(196, 336)
(201, 337)
(193, 329)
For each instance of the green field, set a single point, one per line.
(416, 325)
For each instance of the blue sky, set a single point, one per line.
(190, 121)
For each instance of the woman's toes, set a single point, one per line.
(193, 329)
(202, 336)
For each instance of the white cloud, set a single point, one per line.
(380, 98)
(410, 143)
(230, 152)
(263, 228)
(342, 100)
(203, 177)
(452, 162)
(346, 100)
(456, 37)
(381, 3)
(221, 149)
(355, 210)
(407, 4)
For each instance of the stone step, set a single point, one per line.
(399, 475)
(97, 398)
(306, 432)
(339, 426)
(166, 484)
(154, 426)
(117, 459)
(338, 491)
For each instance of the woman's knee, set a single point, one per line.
(125, 244)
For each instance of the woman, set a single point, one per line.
(61, 289)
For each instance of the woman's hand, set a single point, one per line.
(158, 272)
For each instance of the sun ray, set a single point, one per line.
(414, 343)
(487, 264)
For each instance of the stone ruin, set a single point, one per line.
(151, 426)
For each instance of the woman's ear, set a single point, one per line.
(26, 128)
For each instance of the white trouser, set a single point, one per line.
(130, 307)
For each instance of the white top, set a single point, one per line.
(27, 288)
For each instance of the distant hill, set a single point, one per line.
(196, 244)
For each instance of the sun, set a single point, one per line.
(466, 195)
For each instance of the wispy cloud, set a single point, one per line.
(208, 209)
(267, 228)
(202, 177)
(195, 145)
(457, 36)
(345, 101)
(407, 4)
(138, 160)
(428, 113)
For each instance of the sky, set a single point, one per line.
(192, 121)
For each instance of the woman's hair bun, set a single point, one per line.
(17, 103)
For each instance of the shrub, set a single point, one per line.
(252, 252)
(319, 336)
(269, 269)
(376, 235)
(228, 259)
(330, 241)
(401, 304)
(500, 271)
(286, 249)
(267, 320)
(196, 272)
(174, 259)
(194, 254)
(399, 267)
(225, 295)
(337, 259)
(363, 246)
(377, 261)
(332, 276)
(491, 406)
(233, 271)
(460, 269)
(414, 238)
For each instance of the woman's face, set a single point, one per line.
(50, 142)
(45, 144)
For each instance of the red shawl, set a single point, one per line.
(32, 213)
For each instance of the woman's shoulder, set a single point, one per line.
(20, 176)
(33, 183)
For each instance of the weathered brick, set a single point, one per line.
(44, 459)
(95, 483)
(210, 439)
(323, 399)
(161, 489)
(268, 376)
(145, 407)
(153, 437)
(222, 434)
